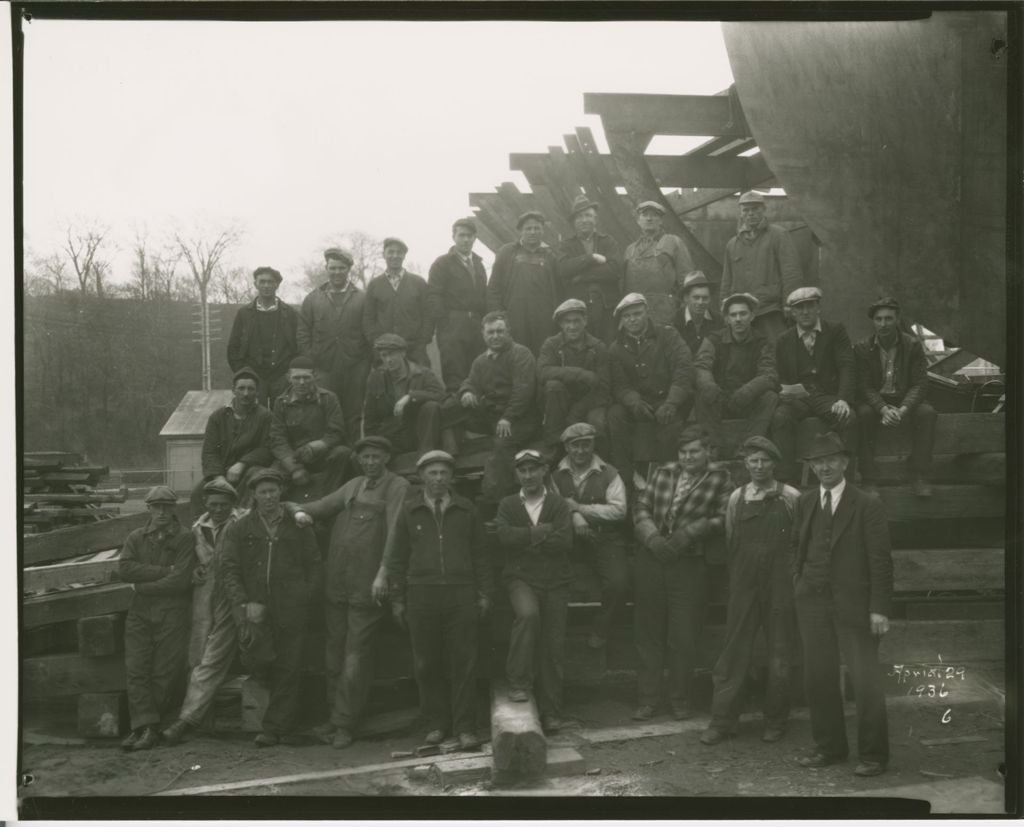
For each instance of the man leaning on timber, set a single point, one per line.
(761, 259)
(158, 561)
(842, 584)
(365, 511)
(214, 642)
(892, 383)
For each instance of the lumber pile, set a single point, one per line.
(60, 491)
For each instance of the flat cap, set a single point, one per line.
(301, 363)
(245, 373)
(526, 216)
(630, 300)
(887, 301)
(825, 445)
(339, 253)
(650, 205)
(220, 487)
(740, 298)
(528, 455)
(390, 341)
(265, 475)
(803, 294)
(570, 306)
(578, 430)
(435, 456)
(380, 442)
(691, 433)
(161, 494)
(695, 279)
(391, 241)
(752, 198)
(760, 443)
(581, 203)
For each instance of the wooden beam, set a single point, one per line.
(517, 740)
(971, 469)
(668, 170)
(76, 603)
(719, 115)
(65, 575)
(948, 569)
(486, 235)
(114, 496)
(956, 641)
(100, 635)
(55, 676)
(616, 217)
(948, 502)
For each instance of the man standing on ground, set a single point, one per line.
(264, 336)
(365, 511)
(842, 584)
(696, 320)
(457, 297)
(596, 497)
(158, 561)
(590, 267)
(761, 259)
(534, 528)
(676, 517)
(656, 263)
(441, 585)
(396, 302)
(331, 334)
(892, 383)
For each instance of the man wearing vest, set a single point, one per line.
(818, 376)
(842, 584)
(596, 496)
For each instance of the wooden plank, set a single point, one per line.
(517, 740)
(611, 200)
(937, 608)
(669, 114)
(562, 762)
(63, 576)
(51, 458)
(76, 603)
(52, 676)
(975, 469)
(966, 533)
(948, 569)
(956, 641)
(686, 171)
(948, 502)
(100, 635)
(112, 496)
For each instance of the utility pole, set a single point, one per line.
(206, 321)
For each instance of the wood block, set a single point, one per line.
(948, 502)
(100, 635)
(948, 569)
(65, 575)
(255, 697)
(961, 469)
(517, 740)
(969, 532)
(57, 607)
(103, 714)
(561, 762)
(52, 676)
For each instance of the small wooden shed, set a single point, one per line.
(183, 437)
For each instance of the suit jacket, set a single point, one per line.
(833, 360)
(538, 556)
(861, 569)
(911, 381)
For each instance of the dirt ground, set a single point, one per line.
(668, 765)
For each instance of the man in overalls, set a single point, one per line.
(656, 263)
(272, 578)
(158, 561)
(758, 532)
(214, 637)
(365, 511)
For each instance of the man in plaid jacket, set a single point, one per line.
(679, 520)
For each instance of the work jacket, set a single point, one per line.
(452, 288)
(583, 370)
(581, 276)
(766, 266)
(911, 377)
(536, 554)
(831, 369)
(245, 348)
(403, 311)
(330, 328)
(504, 383)
(656, 368)
(296, 421)
(421, 384)
(229, 440)
(158, 563)
(746, 369)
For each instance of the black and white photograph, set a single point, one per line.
(603, 410)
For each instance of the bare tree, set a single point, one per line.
(154, 271)
(82, 246)
(231, 285)
(203, 254)
(45, 275)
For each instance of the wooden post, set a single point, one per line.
(517, 740)
(102, 714)
(101, 635)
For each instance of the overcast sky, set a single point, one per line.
(297, 131)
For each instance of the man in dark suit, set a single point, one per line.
(816, 369)
(842, 586)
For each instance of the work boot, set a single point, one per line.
(266, 739)
(175, 733)
(468, 741)
(519, 696)
(434, 737)
(129, 742)
(644, 712)
(920, 486)
(325, 732)
(551, 723)
(773, 733)
(712, 736)
(342, 739)
(149, 738)
(681, 710)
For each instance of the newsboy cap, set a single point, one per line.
(570, 306)
(220, 487)
(649, 205)
(339, 254)
(740, 298)
(803, 294)
(245, 373)
(390, 341)
(529, 455)
(301, 363)
(630, 300)
(887, 301)
(526, 216)
(695, 279)
(760, 443)
(391, 241)
(578, 430)
(380, 442)
(752, 198)
(825, 445)
(265, 475)
(581, 203)
(435, 456)
(161, 494)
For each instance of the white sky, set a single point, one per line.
(297, 131)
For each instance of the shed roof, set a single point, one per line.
(189, 418)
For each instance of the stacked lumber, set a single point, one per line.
(60, 491)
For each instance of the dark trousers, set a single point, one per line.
(272, 387)
(155, 660)
(713, 405)
(634, 441)
(443, 627)
(771, 325)
(536, 648)
(348, 382)
(606, 555)
(788, 415)
(499, 474)
(668, 618)
(459, 342)
(348, 658)
(921, 424)
(418, 429)
(332, 470)
(824, 637)
(564, 406)
(288, 626)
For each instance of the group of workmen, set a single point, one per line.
(562, 358)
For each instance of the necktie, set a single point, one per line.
(439, 510)
(808, 338)
(826, 513)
